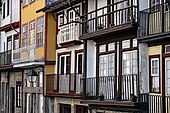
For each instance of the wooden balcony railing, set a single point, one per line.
(113, 88)
(109, 16)
(26, 54)
(69, 32)
(64, 84)
(155, 20)
(5, 58)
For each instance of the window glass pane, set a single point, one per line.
(126, 44)
(135, 43)
(111, 46)
(68, 62)
(102, 48)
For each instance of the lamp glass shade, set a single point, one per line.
(32, 76)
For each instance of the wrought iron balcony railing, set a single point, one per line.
(69, 32)
(5, 58)
(154, 103)
(155, 20)
(64, 84)
(113, 88)
(109, 16)
(26, 54)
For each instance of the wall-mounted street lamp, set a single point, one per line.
(32, 76)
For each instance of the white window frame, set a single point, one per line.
(65, 59)
(40, 24)
(32, 32)
(167, 78)
(129, 62)
(24, 35)
(155, 75)
(104, 71)
(78, 62)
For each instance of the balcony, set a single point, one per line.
(120, 89)
(109, 19)
(69, 34)
(154, 103)
(26, 54)
(61, 85)
(5, 58)
(154, 22)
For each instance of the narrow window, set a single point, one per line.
(32, 27)
(7, 7)
(40, 31)
(3, 10)
(24, 35)
(18, 94)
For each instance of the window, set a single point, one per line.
(3, 10)
(32, 27)
(79, 63)
(126, 44)
(16, 41)
(73, 16)
(65, 63)
(106, 65)
(18, 94)
(7, 7)
(40, 31)
(129, 62)
(65, 108)
(9, 43)
(102, 48)
(25, 2)
(61, 19)
(167, 78)
(167, 48)
(24, 35)
(154, 5)
(154, 77)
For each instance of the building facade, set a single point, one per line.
(154, 40)
(11, 79)
(63, 89)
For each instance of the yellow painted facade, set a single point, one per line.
(47, 51)
(51, 37)
(28, 14)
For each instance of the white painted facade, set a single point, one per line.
(13, 16)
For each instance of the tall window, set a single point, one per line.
(65, 63)
(32, 27)
(3, 10)
(24, 35)
(16, 41)
(79, 63)
(25, 2)
(167, 78)
(40, 31)
(154, 77)
(18, 94)
(107, 60)
(7, 7)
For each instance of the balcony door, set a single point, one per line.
(73, 28)
(64, 73)
(9, 48)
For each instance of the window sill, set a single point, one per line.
(31, 2)
(24, 6)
